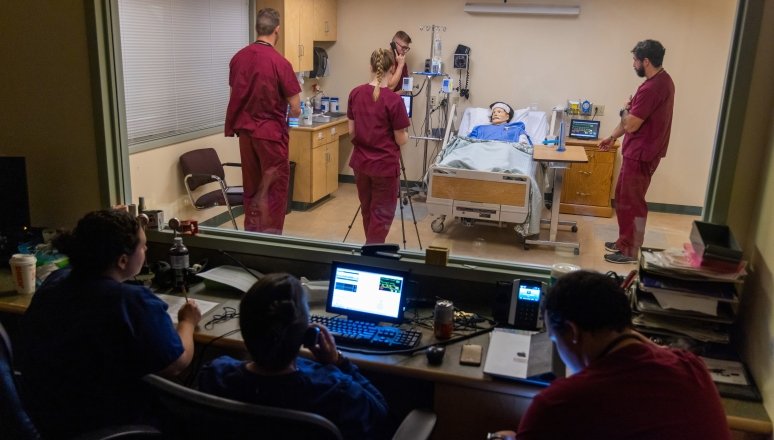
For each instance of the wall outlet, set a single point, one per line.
(598, 110)
(433, 101)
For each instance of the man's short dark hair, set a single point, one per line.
(273, 316)
(402, 36)
(266, 20)
(589, 299)
(98, 241)
(650, 49)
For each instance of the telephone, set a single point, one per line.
(394, 47)
(524, 310)
(311, 336)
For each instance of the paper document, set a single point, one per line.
(232, 276)
(708, 306)
(518, 353)
(723, 371)
(175, 302)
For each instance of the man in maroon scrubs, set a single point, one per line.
(400, 44)
(262, 85)
(646, 122)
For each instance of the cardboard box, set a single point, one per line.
(711, 241)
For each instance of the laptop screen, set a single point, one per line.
(408, 101)
(584, 129)
(366, 293)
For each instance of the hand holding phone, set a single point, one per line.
(311, 337)
(394, 47)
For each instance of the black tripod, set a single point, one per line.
(403, 194)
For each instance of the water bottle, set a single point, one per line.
(178, 259)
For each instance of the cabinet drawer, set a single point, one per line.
(320, 137)
(596, 156)
(588, 184)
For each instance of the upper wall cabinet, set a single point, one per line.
(296, 31)
(325, 20)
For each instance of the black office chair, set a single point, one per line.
(202, 415)
(203, 166)
(15, 423)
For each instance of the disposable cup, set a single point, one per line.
(23, 272)
(559, 269)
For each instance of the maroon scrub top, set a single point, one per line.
(261, 82)
(376, 153)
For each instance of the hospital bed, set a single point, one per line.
(488, 181)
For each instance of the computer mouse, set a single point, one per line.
(435, 354)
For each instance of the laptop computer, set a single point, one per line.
(584, 129)
(367, 293)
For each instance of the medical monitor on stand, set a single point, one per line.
(408, 101)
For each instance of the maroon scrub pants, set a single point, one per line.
(631, 209)
(378, 199)
(265, 176)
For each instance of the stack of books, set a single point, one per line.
(675, 296)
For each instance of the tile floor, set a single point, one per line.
(330, 219)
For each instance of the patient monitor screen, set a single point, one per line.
(366, 293)
(408, 101)
(584, 129)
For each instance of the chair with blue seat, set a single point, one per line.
(203, 166)
(194, 414)
(16, 424)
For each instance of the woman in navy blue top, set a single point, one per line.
(87, 338)
(274, 317)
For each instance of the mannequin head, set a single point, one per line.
(502, 113)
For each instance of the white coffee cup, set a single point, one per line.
(559, 269)
(23, 272)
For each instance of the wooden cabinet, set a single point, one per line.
(296, 31)
(315, 150)
(588, 186)
(325, 20)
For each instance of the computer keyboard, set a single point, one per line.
(350, 333)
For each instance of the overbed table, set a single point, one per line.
(558, 161)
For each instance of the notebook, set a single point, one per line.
(520, 354)
(366, 293)
(584, 129)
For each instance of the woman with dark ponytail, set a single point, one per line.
(274, 319)
(377, 125)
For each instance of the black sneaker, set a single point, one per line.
(611, 246)
(619, 258)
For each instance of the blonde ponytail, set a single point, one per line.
(382, 61)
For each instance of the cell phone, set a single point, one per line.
(470, 355)
(525, 309)
(311, 336)
(394, 47)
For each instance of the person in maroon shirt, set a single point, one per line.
(646, 122)
(262, 85)
(400, 44)
(377, 125)
(624, 386)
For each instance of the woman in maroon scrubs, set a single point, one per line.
(377, 124)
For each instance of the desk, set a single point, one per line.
(559, 161)
(467, 402)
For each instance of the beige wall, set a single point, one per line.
(751, 212)
(47, 113)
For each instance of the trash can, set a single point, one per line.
(292, 179)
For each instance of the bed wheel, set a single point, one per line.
(525, 246)
(405, 200)
(437, 225)
(576, 251)
(574, 229)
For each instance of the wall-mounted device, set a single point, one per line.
(408, 84)
(446, 85)
(524, 312)
(460, 60)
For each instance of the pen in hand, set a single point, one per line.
(185, 293)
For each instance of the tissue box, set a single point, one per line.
(711, 241)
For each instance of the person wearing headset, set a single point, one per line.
(400, 48)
